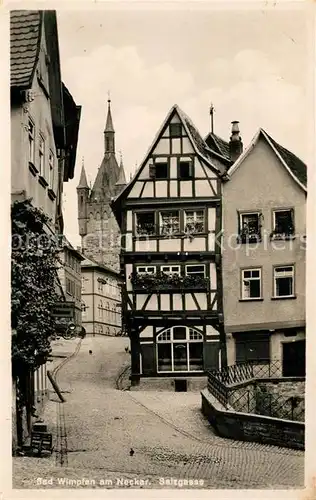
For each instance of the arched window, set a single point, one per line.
(179, 349)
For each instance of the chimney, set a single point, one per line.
(235, 143)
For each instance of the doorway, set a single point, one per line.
(293, 359)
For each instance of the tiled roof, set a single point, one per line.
(89, 262)
(218, 144)
(297, 167)
(199, 142)
(25, 36)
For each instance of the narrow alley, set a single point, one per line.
(98, 426)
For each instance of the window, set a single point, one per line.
(251, 284)
(161, 170)
(171, 270)
(194, 221)
(169, 223)
(100, 307)
(41, 152)
(284, 281)
(51, 170)
(179, 349)
(283, 223)
(146, 269)
(185, 169)
(175, 129)
(250, 227)
(196, 270)
(145, 223)
(255, 349)
(31, 134)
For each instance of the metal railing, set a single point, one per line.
(218, 389)
(271, 405)
(241, 372)
(253, 398)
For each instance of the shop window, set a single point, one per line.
(179, 350)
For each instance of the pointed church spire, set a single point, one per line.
(121, 178)
(109, 144)
(109, 122)
(83, 178)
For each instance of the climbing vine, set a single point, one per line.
(34, 262)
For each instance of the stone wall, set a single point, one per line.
(194, 384)
(247, 427)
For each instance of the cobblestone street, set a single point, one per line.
(98, 424)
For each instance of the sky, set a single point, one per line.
(251, 64)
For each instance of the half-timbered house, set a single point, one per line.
(170, 220)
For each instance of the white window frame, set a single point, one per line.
(188, 340)
(194, 220)
(161, 226)
(146, 270)
(285, 274)
(171, 272)
(194, 272)
(41, 154)
(250, 279)
(51, 165)
(31, 140)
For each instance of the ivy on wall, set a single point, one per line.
(34, 261)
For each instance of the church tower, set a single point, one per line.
(98, 228)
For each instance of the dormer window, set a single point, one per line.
(175, 129)
(145, 223)
(283, 224)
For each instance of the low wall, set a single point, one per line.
(249, 427)
(194, 384)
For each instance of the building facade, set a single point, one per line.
(98, 227)
(70, 279)
(264, 220)
(44, 133)
(101, 299)
(170, 214)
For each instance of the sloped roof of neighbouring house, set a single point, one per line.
(25, 39)
(294, 165)
(92, 264)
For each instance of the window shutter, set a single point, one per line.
(292, 218)
(191, 169)
(152, 171)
